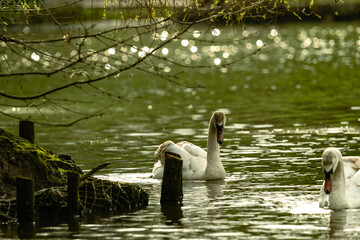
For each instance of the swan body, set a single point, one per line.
(342, 180)
(197, 163)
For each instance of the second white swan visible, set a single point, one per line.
(342, 180)
(197, 164)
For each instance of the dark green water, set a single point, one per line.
(299, 95)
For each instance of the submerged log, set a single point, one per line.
(171, 189)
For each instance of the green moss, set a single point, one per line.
(19, 157)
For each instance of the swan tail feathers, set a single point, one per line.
(160, 152)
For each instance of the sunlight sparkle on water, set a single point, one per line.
(293, 227)
(259, 43)
(214, 48)
(308, 208)
(144, 51)
(35, 57)
(307, 42)
(216, 32)
(196, 34)
(111, 51)
(164, 35)
(128, 177)
(26, 29)
(273, 32)
(248, 45)
(165, 51)
(193, 49)
(107, 66)
(184, 131)
(133, 49)
(185, 42)
(245, 33)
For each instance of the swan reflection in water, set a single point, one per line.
(344, 223)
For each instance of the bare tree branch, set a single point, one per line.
(131, 66)
(82, 56)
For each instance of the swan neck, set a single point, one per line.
(337, 197)
(213, 148)
(214, 167)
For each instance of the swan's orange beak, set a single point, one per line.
(220, 136)
(328, 182)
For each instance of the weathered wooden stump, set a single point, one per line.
(25, 200)
(26, 130)
(73, 180)
(171, 189)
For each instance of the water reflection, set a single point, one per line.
(26, 230)
(344, 221)
(172, 213)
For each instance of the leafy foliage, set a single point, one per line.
(80, 55)
(8, 10)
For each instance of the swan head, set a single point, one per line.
(218, 120)
(330, 161)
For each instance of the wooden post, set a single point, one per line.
(25, 200)
(171, 189)
(26, 130)
(73, 193)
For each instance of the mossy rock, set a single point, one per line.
(20, 158)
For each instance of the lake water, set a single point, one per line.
(284, 106)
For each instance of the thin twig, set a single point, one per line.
(94, 170)
(131, 66)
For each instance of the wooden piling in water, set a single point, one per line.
(25, 200)
(171, 189)
(73, 193)
(26, 130)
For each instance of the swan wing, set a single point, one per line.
(192, 149)
(352, 179)
(351, 166)
(194, 160)
(158, 170)
(353, 190)
(193, 166)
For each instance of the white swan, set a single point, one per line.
(342, 180)
(197, 164)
